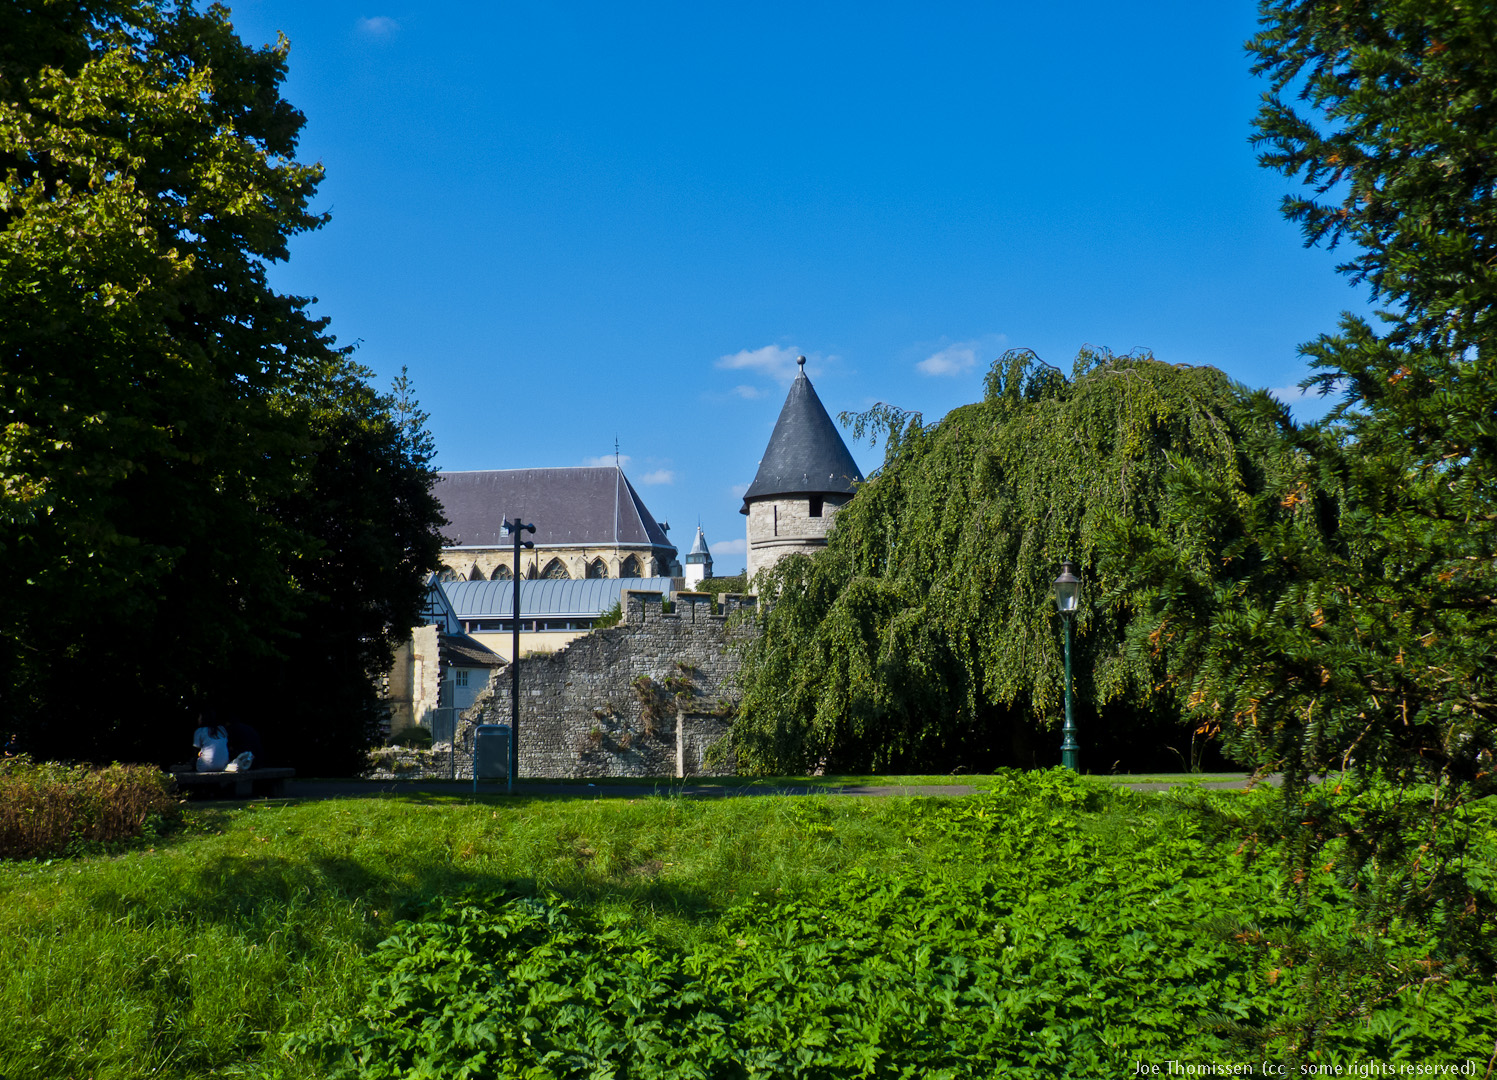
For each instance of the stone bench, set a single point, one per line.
(235, 785)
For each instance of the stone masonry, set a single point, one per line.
(649, 697)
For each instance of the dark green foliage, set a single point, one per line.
(187, 461)
(49, 809)
(1371, 568)
(1078, 933)
(1341, 619)
(1394, 129)
(719, 585)
(370, 519)
(925, 635)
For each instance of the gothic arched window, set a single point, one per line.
(448, 574)
(501, 573)
(556, 571)
(597, 569)
(629, 567)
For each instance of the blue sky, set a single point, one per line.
(580, 222)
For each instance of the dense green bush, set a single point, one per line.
(49, 809)
(1078, 938)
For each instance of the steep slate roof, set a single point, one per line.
(460, 650)
(699, 552)
(590, 596)
(584, 505)
(806, 455)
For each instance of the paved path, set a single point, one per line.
(335, 789)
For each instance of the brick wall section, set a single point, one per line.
(645, 698)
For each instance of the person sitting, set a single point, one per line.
(212, 742)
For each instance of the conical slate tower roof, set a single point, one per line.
(806, 455)
(699, 551)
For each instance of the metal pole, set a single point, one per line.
(517, 528)
(514, 668)
(1069, 750)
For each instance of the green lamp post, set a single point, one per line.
(1067, 597)
(516, 528)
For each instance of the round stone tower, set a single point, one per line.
(805, 475)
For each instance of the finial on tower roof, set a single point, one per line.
(801, 362)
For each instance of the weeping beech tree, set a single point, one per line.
(924, 636)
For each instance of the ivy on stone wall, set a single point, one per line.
(924, 636)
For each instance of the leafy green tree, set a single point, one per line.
(925, 635)
(166, 421)
(1342, 620)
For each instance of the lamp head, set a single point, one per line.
(1067, 590)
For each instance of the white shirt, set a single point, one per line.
(213, 749)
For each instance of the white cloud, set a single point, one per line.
(772, 360)
(728, 547)
(659, 476)
(604, 460)
(748, 392)
(952, 360)
(738, 491)
(378, 26)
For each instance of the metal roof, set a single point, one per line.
(591, 596)
(806, 455)
(584, 505)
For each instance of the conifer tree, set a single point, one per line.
(1341, 622)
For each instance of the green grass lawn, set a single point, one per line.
(1059, 922)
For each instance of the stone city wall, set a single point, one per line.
(649, 697)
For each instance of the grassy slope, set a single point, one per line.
(184, 958)
(192, 959)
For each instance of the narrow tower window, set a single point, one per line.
(815, 508)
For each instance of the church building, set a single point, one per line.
(589, 523)
(806, 473)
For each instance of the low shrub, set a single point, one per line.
(50, 809)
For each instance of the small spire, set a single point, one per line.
(801, 363)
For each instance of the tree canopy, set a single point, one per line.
(188, 461)
(1345, 620)
(1341, 622)
(925, 636)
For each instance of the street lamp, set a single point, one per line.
(515, 528)
(1067, 597)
